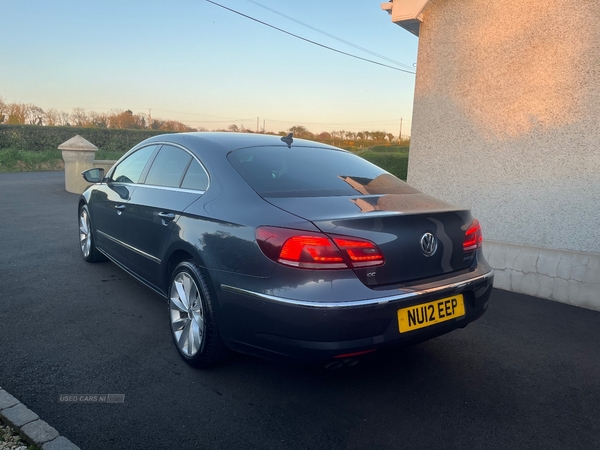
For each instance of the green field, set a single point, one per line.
(394, 159)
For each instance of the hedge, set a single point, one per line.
(389, 149)
(39, 138)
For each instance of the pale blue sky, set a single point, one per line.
(192, 61)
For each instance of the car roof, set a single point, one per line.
(226, 141)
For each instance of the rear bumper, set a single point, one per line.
(463, 282)
(278, 327)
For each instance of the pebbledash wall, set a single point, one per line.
(506, 121)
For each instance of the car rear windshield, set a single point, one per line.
(312, 172)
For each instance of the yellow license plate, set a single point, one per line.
(426, 314)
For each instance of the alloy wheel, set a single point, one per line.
(85, 233)
(187, 314)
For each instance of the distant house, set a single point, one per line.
(506, 121)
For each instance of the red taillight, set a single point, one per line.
(473, 237)
(361, 253)
(312, 250)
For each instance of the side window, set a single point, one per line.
(168, 167)
(130, 169)
(196, 177)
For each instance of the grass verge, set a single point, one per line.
(12, 160)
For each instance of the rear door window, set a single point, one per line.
(195, 178)
(168, 167)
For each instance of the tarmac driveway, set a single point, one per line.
(526, 375)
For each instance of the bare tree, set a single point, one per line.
(156, 124)
(52, 117)
(17, 113)
(64, 118)
(97, 120)
(3, 110)
(35, 114)
(139, 121)
(79, 117)
(20, 113)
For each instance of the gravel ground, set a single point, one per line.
(10, 439)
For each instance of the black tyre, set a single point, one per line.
(86, 238)
(192, 316)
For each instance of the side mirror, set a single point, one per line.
(93, 175)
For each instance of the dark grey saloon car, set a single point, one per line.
(283, 248)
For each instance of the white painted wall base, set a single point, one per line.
(563, 276)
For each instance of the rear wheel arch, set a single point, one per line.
(176, 256)
(181, 254)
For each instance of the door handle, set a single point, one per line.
(166, 217)
(120, 209)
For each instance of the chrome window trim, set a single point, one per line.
(361, 303)
(173, 144)
(129, 247)
(159, 143)
(166, 188)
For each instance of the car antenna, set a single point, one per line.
(288, 139)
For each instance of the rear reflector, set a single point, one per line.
(312, 250)
(473, 237)
(350, 355)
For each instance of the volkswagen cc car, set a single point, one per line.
(283, 248)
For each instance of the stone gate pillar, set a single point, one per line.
(79, 155)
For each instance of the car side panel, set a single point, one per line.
(107, 220)
(147, 233)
